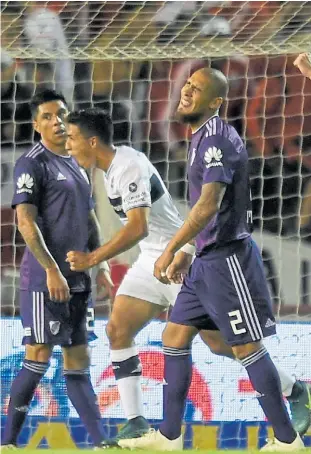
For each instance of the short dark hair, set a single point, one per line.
(45, 96)
(93, 122)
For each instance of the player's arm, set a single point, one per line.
(214, 183)
(136, 204)
(303, 63)
(200, 215)
(28, 227)
(128, 236)
(95, 240)
(28, 180)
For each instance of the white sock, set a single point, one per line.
(287, 381)
(129, 387)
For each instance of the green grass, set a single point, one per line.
(114, 451)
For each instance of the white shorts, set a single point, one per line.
(139, 282)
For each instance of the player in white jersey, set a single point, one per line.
(139, 196)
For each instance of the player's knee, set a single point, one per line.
(118, 335)
(216, 344)
(243, 351)
(40, 353)
(76, 357)
(178, 336)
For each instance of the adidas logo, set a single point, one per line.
(22, 409)
(213, 157)
(24, 183)
(258, 395)
(60, 177)
(269, 323)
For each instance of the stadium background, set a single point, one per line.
(132, 58)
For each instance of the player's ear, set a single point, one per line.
(36, 126)
(216, 103)
(93, 141)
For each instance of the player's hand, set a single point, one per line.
(179, 267)
(104, 285)
(57, 286)
(303, 63)
(161, 266)
(79, 261)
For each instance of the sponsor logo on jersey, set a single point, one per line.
(213, 157)
(24, 183)
(133, 187)
(54, 327)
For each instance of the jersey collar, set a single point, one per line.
(213, 116)
(54, 154)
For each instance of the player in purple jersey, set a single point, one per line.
(55, 214)
(226, 283)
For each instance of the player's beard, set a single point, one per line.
(191, 118)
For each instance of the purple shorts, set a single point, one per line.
(227, 286)
(47, 322)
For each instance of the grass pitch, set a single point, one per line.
(115, 451)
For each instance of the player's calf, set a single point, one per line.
(129, 316)
(22, 392)
(80, 390)
(266, 382)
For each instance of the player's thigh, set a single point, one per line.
(76, 357)
(40, 353)
(44, 321)
(234, 290)
(178, 336)
(215, 341)
(188, 309)
(81, 319)
(129, 315)
(140, 283)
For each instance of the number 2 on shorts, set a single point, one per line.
(236, 319)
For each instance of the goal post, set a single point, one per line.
(132, 58)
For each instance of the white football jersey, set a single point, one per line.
(133, 182)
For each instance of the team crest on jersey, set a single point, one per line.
(54, 327)
(24, 183)
(213, 157)
(133, 187)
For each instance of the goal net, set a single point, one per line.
(132, 58)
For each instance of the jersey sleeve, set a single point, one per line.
(219, 159)
(28, 179)
(135, 187)
(88, 180)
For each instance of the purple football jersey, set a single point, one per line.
(62, 194)
(217, 154)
